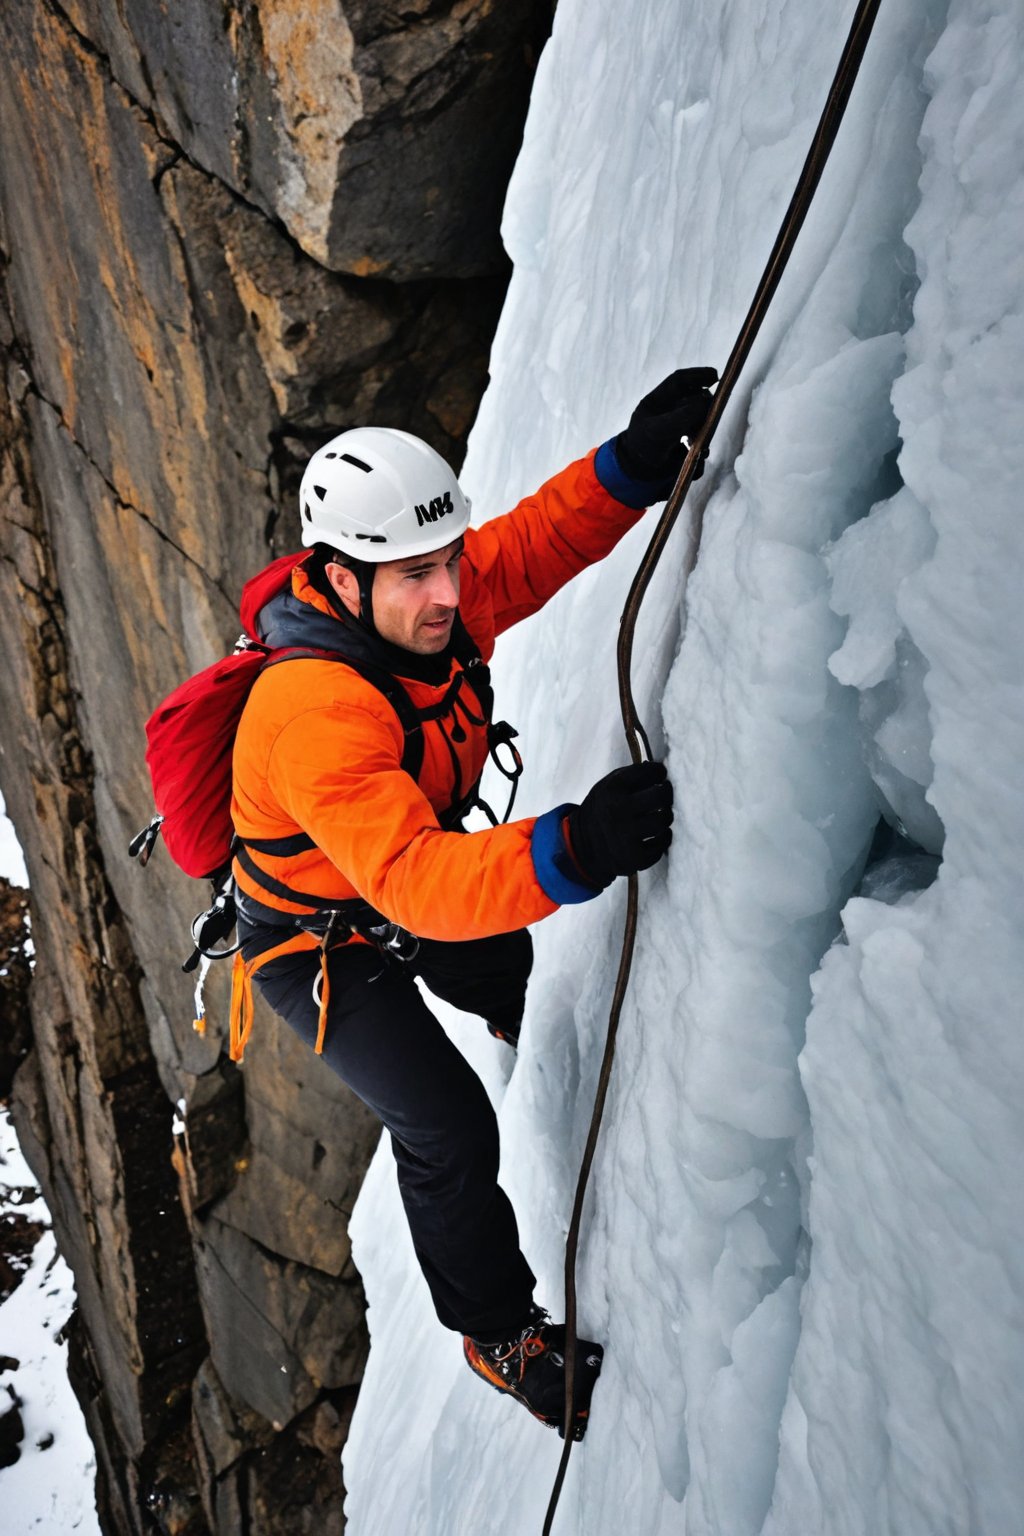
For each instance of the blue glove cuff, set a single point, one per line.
(631, 492)
(557, 872)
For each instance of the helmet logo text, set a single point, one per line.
(439, 506)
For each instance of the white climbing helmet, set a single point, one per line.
(380, 494)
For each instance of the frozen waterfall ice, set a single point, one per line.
(801, 1247)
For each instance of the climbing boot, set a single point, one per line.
(530, 1367)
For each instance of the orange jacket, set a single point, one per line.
(318, 751)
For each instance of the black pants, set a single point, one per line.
(384, 1042)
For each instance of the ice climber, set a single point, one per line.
(349, 789)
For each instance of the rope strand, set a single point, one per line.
(636, 737)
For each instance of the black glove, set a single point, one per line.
(650, 448)
(624, 824)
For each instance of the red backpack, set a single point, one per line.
(190, 739)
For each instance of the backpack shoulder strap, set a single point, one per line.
(478, 673)
(408, 715)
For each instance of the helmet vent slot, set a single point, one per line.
(359, 464)
(320, 491)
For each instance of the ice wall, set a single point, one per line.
(800, 1247)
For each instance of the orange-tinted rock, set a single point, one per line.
(225, 234)
(380, 136)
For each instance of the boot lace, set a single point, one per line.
(526, 1346)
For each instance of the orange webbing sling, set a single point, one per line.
(243, 971)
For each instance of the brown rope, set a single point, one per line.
(636, 736)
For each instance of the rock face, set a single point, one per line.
(380, 136)
(15, 974)
(226, 231)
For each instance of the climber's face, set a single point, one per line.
(414, 600)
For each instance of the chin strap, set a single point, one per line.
(365, 573)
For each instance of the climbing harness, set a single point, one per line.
(636, 736)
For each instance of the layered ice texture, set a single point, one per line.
(802, 1243)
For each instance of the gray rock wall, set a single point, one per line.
(226, 230)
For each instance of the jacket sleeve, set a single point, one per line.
(335, 770)
(525, 556)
